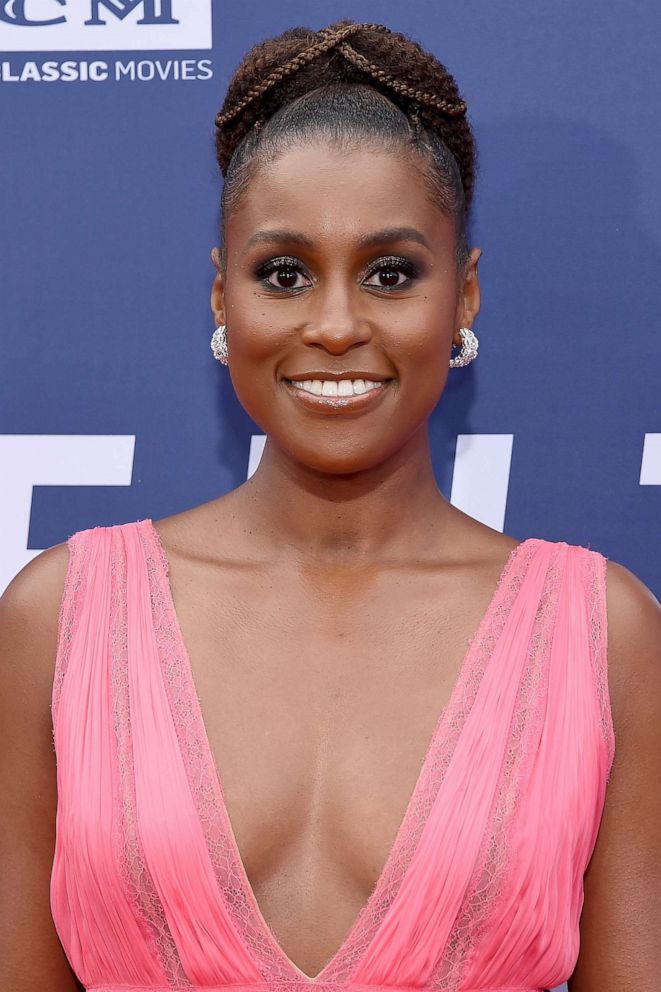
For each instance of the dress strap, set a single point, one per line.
(75, 582)
(594, 576)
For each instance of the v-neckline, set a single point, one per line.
(209, 757)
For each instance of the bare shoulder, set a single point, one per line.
(621, 917)
(29, 612)
(634, 645)
(31, 954)
(29, 606)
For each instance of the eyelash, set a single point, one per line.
(389, 262)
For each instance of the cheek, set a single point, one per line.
(421, 355)
(419, 347)
(253, 331)
(256, 349)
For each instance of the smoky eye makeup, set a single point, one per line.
(395, 263)
(283, 263)
(291, 265)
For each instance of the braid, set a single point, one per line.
(330, 40)
(454, 108)
(297, 77)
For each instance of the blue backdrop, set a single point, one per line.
(110, 207)
(112, 407)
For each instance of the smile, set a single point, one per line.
(343, 396)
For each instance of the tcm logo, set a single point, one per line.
(13, 12)
(104, 25)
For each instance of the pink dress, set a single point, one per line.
(483, 886)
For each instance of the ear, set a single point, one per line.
(217, 299)
(469, 294)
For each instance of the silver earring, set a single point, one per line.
(219, 344)
(469, 346)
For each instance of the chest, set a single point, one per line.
(320, 695)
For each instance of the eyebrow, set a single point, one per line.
(386, 236)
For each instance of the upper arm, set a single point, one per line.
(31, 955)
(620, 949)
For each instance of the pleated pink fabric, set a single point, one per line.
(483, 886)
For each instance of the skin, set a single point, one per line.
(343, 589)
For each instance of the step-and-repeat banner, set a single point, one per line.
(112, 406)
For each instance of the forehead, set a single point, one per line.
(333, 195)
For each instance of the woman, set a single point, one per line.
(413, 716)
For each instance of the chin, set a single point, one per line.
(336, 465)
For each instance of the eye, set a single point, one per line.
(393, 266)
(285, 269)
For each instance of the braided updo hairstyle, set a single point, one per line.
(346, 83)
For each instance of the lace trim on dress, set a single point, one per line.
(444, 742)
(148, 908)
(494, 864)
(69, 612)
(202, 777)
(595, 577)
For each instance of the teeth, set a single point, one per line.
(345, 387)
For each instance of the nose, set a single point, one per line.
(337, 322)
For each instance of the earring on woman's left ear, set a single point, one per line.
(469, 346)
(219, 344)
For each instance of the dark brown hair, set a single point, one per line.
(348, 82)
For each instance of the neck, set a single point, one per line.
(393, 511)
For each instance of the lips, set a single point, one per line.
(339, 405)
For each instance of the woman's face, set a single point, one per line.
(338, 265)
